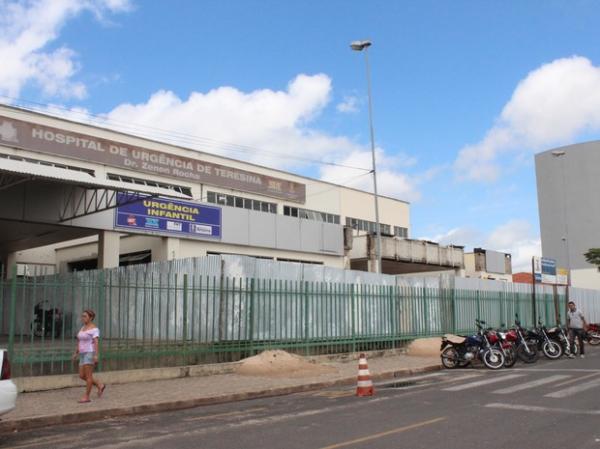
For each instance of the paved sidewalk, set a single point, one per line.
(61, 407)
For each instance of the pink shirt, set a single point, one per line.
(86, 339)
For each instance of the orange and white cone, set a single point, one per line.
(364, 386)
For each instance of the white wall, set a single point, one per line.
(586, 278)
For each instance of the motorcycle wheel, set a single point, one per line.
(450, 358)
(574, 349)
(528, 357)
(36, 330)
(552, 350)
(493, 359)
(510, 358)
(594, 339)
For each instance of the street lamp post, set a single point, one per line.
(560, 154)
(363, 46)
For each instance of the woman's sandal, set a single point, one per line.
(83, 401)
(101, 390)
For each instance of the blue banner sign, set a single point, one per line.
(548, 270)
(165, 216)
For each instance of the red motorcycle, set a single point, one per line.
(593, 334)
(503, 340)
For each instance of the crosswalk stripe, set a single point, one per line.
(532, 384)
(483, 382)
(535, 408)
(574, 389)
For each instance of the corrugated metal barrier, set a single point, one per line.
(225, 308)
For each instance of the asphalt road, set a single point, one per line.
(547, 405)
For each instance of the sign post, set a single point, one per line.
(535, 266)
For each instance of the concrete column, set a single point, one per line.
(372, 265)
(9, 264)
(169, 249)
(371, 254)
(108, 249)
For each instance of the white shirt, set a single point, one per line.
(575, 319)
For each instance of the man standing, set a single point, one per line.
(576, 324)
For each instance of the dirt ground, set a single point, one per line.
(281, 363)
(425, 347)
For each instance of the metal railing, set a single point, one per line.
(150, 318)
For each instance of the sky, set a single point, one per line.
(464, 92)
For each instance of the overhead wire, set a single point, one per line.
(169, 136)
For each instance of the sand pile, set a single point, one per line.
(281, 364)
(425, 347)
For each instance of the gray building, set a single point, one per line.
(568, 186)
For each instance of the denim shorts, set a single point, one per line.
(86, 358)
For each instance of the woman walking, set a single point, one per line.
(87, 352)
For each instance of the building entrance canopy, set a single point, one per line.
(83, 193)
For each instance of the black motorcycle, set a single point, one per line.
(527, 350)
(561, 334)
(47, 320)
(546, 341)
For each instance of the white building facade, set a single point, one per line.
(79, 196)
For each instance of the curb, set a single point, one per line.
(59, 381)
(19, 425)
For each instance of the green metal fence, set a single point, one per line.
(150, 319)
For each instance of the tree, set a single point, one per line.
(593, 257)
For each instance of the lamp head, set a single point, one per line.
(360, 45)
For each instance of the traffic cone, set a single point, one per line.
(364, 385)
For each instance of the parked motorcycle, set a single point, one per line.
(526, 350)
(47, 320)
(593, 334)
(504, 343)
(561, 334)
(460, 351)
(549, 346)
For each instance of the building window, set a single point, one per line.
(281, 259)
(240, 202)
(311, 215)
(48, 164)
(146, 182)
(368, 226)
(399, 231)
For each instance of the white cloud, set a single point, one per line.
(550, 107)
(271, 127)
(390, 179)
(26, 30)
(515, 237)
(348, 105)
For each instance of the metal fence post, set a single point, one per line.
(306, 304)
(478, 294)
(390, 296)
(453, 305)
(222, 310)
(427, 326)
(184, 331)
(353, 298)
(12, 314)
(101, 303)
(251, 317)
